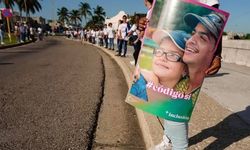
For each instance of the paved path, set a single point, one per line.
(230, 88)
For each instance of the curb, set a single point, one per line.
(149, 125)
(17, 44)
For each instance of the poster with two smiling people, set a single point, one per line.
(178, 47)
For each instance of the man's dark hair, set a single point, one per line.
(150, 1)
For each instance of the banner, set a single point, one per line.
(178, 47)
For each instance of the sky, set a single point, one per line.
(239, 20)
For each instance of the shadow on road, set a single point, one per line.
(230, 130)
(3, 63)
(6, 54)
(43, 44)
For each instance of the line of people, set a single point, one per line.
(25, 32)
(101, 36)
(106, 36)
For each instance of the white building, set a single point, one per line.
(114, 20)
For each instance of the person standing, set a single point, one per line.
(40, 33)
(199, 52)
(92, 36)
(105, 36)
(140, 33)
(17, 32)
(122, 33)
(32, 34)
(82, 35)
(149, 4)
(111, 35)
(134, 38)
(1, 33)
(22, 32)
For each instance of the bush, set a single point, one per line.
(247, 37)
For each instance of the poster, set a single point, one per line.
(178, 47)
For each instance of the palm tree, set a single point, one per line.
(93, 23)
(63, 14)
(74, 16)
(8, 3)
(85, 10)
(100, 13)
(28, 6)
(98, 18)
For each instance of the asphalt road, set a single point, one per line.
(50, 92)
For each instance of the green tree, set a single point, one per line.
(75, 16)
(63, 15)
(8, 3)
(98, 18)
(93, 23)
(247, 36)
(85, 10)
(28, 6)
(100, 13)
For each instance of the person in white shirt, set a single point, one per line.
(111, 36)
(135, 38)
(32, 34)
(93, 36)
(97, 36)
(105, 36)
(122, 33)
(100, 37)
(40, 33)
(81, 35)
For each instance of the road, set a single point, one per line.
(50, 95)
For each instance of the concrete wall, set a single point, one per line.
(236, 51)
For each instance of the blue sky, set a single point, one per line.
(239, 20)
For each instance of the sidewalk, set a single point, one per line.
(215, 123)
(15, 44)
(230, 88)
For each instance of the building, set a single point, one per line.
(54, 24)
(114, 20)
(39, 20)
